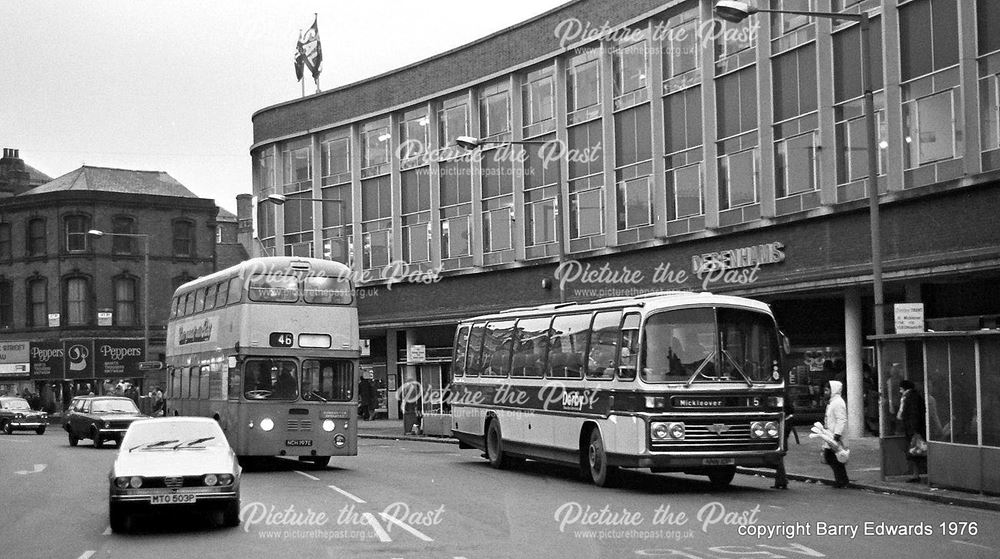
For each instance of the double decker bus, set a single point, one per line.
(270, 349)
(670, 381)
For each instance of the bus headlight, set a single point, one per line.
(266, 424)
(339, 441)
(757, 430)
(211, 479)
(771, 428)
(329, 425)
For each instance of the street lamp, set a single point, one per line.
(280, 199)
(471, 143)
(96, 233)
(735, 12)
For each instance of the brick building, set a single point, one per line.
(690, 140)
(66, 294)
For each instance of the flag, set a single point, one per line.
(300, 58)
(309, 51)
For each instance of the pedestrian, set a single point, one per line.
(158, 402)
(780, 476)
(408, 395)
(368, 395)
(912, 415)
(836, 422)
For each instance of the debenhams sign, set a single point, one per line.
(746, 257)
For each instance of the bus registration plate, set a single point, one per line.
(174, 499)
(298, 442)
(718, 461)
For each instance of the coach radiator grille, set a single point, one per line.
(709, 436)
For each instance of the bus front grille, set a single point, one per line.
(300, 425)
(709, 436)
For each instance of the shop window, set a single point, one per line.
(296, 165)
(929, 132)
(263, 175)
(413, 134)
(738, 179)
(989, 371)
(335, 154)
(375, 146)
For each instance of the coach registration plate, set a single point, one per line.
(174, 499)
(298, 442)
(718, 461)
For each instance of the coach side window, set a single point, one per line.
(497, 347)
(475, 363)
(604, 337)
(459, 352)
(567, 345)
(628, 347)
(531, 352)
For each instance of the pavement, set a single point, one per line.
(802, 464)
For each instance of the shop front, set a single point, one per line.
(62, 369)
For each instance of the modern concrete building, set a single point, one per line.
(686, 141)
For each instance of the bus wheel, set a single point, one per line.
(320, 461)
(494, 447)
(601, 473)
(721, 477)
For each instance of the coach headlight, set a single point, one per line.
(267, 424)
(676, 430)
(757, 430)
(659, 431)
(329, 425)
(771, 429)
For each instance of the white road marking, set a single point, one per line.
(406, 527)
(107, 531)
(350, 496)
(87, 554)
(312, 477)
(38, 468)
(383, 536)
(973, 545)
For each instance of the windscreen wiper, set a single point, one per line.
(157, 444)
(708, 359)
(738, 368)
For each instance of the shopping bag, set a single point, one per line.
(918, 446)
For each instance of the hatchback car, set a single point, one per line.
(17, 415)
(171, 463)
(100, 418)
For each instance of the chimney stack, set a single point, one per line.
(14, 178)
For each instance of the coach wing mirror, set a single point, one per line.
(232, 362)
(786, 345)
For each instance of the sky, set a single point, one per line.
(171, 85)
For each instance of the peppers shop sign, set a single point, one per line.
(87, 358)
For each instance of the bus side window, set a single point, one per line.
(235, 382)
(189, 304)
(185, 382)
(223, 294)
(199, 300)
(459, 351)
(568, 344)
(210, 298)
(235, 290)
(531, 350)
(603, 346)
(628, 347)
(475, 363)
(173, 307)
(203, 382)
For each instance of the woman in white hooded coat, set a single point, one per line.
(836, 422)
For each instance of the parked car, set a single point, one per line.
(100, 418)
(17, 415)
(171, 463)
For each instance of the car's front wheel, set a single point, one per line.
(40, 430)
(73, 439)
(117, 517)
(6, 428)
(231, 514)
(98, 441)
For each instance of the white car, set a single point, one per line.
(171, 463)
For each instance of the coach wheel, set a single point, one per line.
(494, 447)
(721, 477)
(601, 473)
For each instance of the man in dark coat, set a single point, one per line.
(913, 416)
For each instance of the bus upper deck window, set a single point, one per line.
(326, 291)
(279, 288)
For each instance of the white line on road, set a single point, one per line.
(354, 498)
(406, 527)
(383, 536)
(87, 554)
(107, 531)
(38, 468)
(973, 545)
(312, 477)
